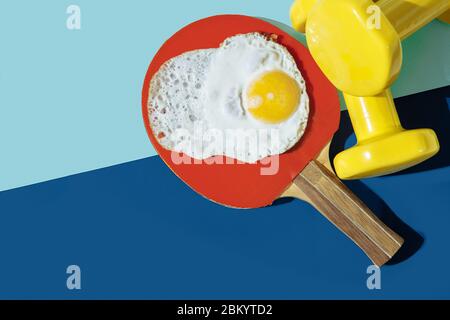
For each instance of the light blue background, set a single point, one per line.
(70, 100)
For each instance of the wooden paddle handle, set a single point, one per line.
(339, 205)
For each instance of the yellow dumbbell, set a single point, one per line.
(356, 43)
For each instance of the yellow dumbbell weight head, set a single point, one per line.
(358, 48)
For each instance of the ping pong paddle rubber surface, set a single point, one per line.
(243, 185)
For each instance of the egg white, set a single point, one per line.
(198, 99)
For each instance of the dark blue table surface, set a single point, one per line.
(136, 231)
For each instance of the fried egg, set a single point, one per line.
(245, 100)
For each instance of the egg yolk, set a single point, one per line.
(273, 97)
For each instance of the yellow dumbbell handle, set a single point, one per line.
(373, 116)
(409, 16)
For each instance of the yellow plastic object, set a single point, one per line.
(409, 16)
(383, 145)
(299, 12)
(383, 155)
(357, 45)
(358, 60)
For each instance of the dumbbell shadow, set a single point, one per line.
(422, 110)
(413, 240)
(430, 109)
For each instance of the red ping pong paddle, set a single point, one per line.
(304, 171)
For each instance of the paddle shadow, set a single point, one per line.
(413, 240)
(282, 201)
